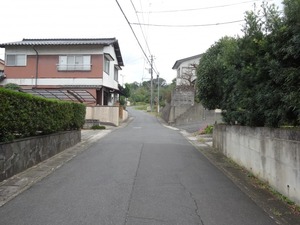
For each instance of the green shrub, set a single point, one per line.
(98, 127)
(12, 86)
(24, 115)
(207, 130)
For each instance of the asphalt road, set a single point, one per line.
(143, 174)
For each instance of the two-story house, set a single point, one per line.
(186, 70)
(84, 70)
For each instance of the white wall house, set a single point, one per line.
(186, 70)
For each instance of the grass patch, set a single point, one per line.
(141, 107)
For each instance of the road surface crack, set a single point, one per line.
(194, 200)
(133, 185)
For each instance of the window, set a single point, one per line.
(16, 60)
(107, 59)
(106, 64)
(74, 62)
(116, 71)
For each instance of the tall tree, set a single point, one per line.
(255, 79)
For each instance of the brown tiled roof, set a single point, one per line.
(72, 41)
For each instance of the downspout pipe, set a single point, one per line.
(36, 66)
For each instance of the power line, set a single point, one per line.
(133, 32)
(149, 61)
(202, 8)
(141, 27)
(187, 25)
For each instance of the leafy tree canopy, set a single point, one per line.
(255, 79)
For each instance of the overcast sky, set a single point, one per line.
(175, 30)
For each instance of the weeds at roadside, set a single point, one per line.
(276, 212)
(265, 186)
(206, 130)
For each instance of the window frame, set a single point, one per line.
(106, 63)
(70, 63)
(15, 63)
(116, 73)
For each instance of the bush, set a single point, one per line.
(207, 130)
(254, 79)
(98, 127)
(24, 115)
(12, 86)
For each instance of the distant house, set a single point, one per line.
(186, 70)
(84, 70)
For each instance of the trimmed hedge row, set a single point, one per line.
(24, 115)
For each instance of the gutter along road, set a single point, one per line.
(144, 173)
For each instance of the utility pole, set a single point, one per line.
(158, 93)
(151, 71)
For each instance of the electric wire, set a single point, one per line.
(132, 30)
(202, 8)
(143, 19)
(141, 27)
(188, 25)
(134, 34)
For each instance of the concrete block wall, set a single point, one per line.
(183, 95)
(125, 115)
(105, 114)
(22, 154)
(273, 155)
(197, 113)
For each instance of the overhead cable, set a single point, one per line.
(134, 34)
(202, 8)
(141, 27)
(187, 25)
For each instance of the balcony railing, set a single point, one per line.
(77, 67)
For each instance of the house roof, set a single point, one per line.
(74, 41)
(178, 62)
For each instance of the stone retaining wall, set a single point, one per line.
(273, 155)
(198, 114)
(22, 154)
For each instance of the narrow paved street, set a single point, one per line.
(142, 174)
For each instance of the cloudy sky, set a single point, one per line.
(168, 30)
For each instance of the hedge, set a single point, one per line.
(24, 115)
